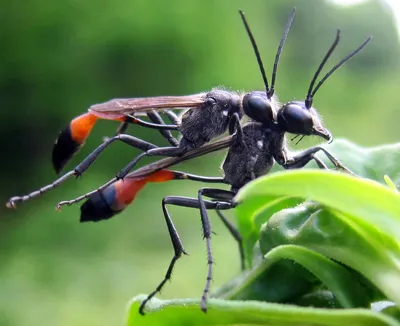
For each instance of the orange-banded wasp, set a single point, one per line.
(253, 148)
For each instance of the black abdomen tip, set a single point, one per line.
(97, 207)
(64, 148)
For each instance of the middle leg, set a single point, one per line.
(176, 242)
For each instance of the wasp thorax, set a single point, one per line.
(226, 102)
(258, 107)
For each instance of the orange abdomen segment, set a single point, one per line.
(72, 138)
(127, 189)
(82, 126)
(114, 199)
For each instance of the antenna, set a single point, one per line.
(279, 52)
(255, 48)
(338, 65)
(309, 99)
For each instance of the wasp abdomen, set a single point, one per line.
(71, 139)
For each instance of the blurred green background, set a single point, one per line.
(57, 58)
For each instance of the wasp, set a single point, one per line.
(253, 147)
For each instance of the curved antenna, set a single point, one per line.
(338, 65)
(308, 100)
(255, 48)
(279, 52)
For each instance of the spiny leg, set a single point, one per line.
(13, 200)
(176, 242)
(206, 224)
(82, 167)
(178, 251)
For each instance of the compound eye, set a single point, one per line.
(258, 108)
(296, 119)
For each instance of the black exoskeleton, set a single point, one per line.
(210, 120)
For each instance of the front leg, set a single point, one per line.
(300, 160)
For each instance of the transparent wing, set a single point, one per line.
(117, 108)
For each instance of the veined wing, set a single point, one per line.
(118, 108)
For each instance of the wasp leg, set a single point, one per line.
(120, 130)
(156, 118)
(176, 241)
(173, 117)
(158, 151)
(178, 176)
(158, 126)
(83, 166)
(13, 200)
(144, 171)
(158, 123)
(130, 140)
(320, 164)
(226, 203)
(301, 159)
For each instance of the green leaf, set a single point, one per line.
(272, 281)
(367, 201)
(391, 310)
(372, 163)
(284, 276)
(318, 299)
(249, 223)
(220, 312)
(359, 227)
(343, 284)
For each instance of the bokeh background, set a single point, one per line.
(59, 57)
